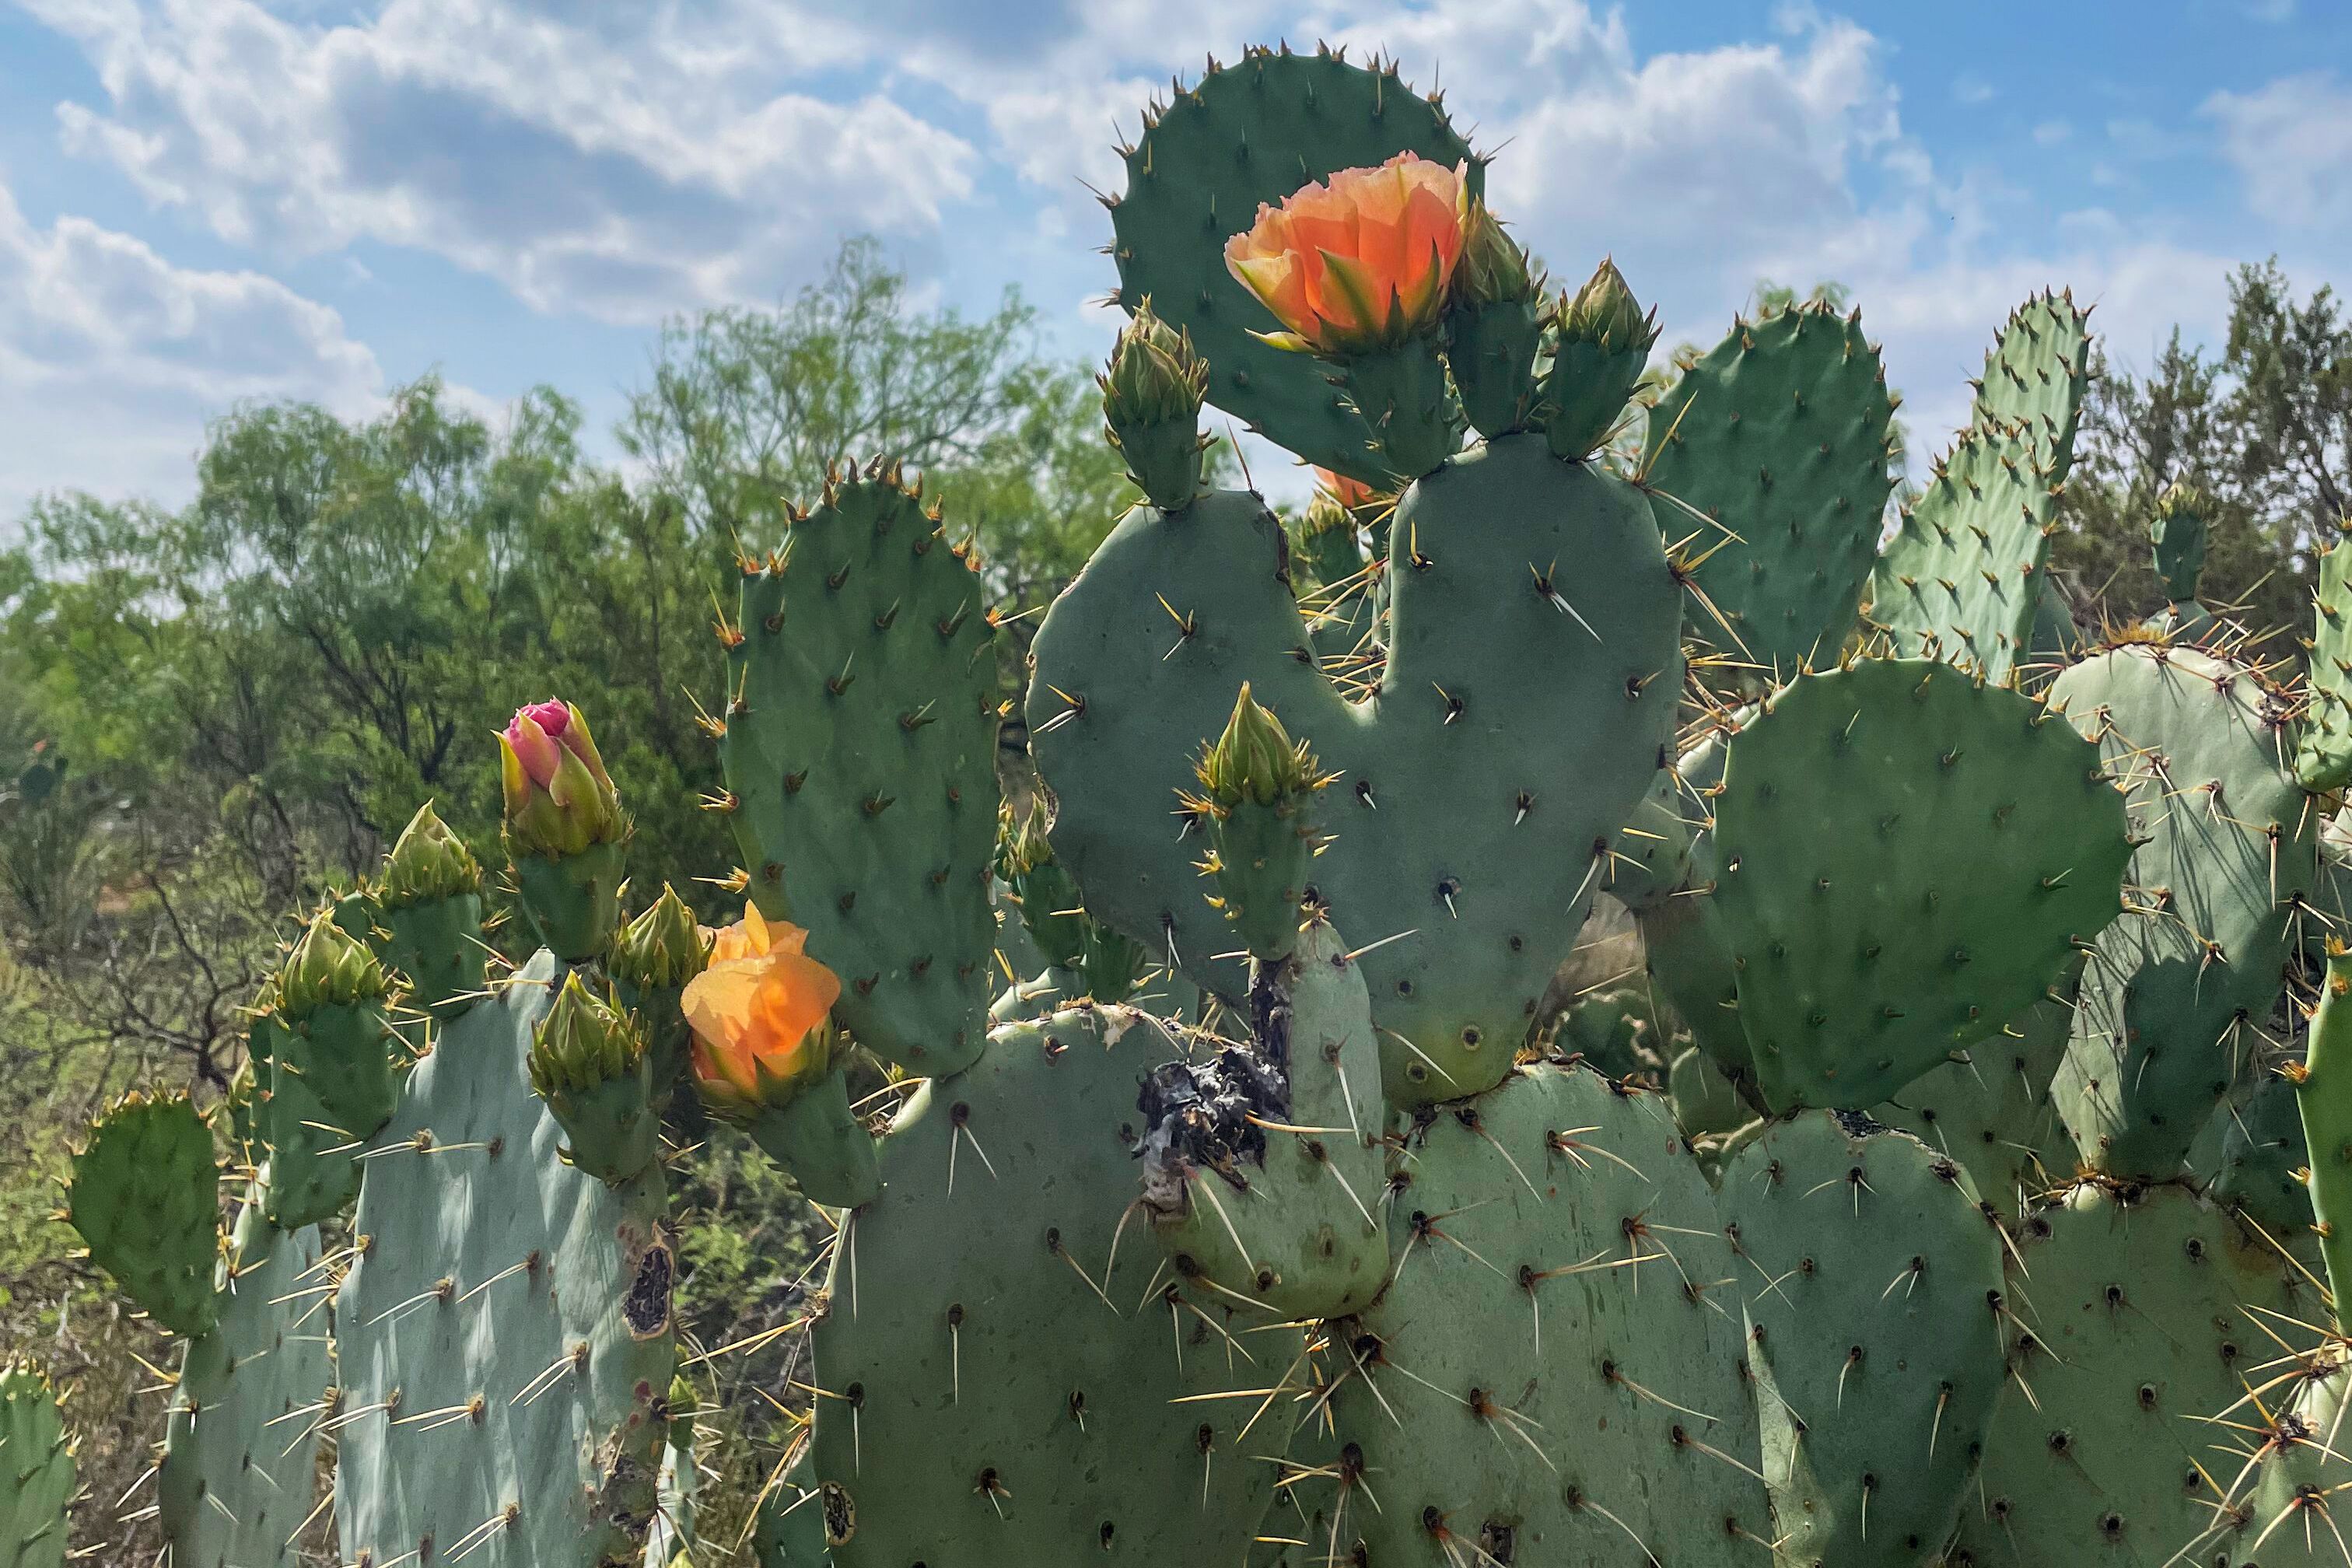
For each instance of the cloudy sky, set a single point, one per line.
(208, 201)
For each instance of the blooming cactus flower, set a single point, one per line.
(1350, 493)
(757, 1014)
(1359, 261)
(559, 799)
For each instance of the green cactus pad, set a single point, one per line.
(999, 1382)
(1244, 136)
(1962, 579)
(1909, 858)
(574, 901)
(2259, 1170)
(145, 1195)
(313, 1175)
(1506, 741)
(1780, 435)
(1272, 1216)
(428, 916)
(789, 1530)
(2230, 846)
(1554, 1369)
(1704, 1101)
(1877, 1358)
(241, 1446)
(504, 1338)
(36, 1471)
(2323, 758)
(2133, 1320)
(2288, 1504)
(861, 755)
(1992, 1114)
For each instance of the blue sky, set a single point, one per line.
(207, 201)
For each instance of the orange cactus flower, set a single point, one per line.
(756, 1013)
(1358, 261)
(1350, 493)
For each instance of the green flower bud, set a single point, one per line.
(588, 1063)
(1151, 406)
(1494, 270)
(427, 863)
(1604, 312)
(660, 950)
(327, 968)
(1255, 759)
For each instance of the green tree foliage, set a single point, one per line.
(2263, 428)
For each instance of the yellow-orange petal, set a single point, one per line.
(1281, 287)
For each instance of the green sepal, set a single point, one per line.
(329, 966)
(821, 1143)
(145, 1195)
(652, 958)
(589, 1064)
(574, 901)
(1604, 341)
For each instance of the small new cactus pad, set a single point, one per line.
(1151, 408)
(1261, 1165)
(313, 1175)
(428, 912)
(860, 755)
(1494, 326)
(2133, 1316)
(503, 1339)
(1009, 1372)
(2175, 537)
(1908, 858)
(1250, 135)
(145, 1195)
(241, 1446)
(1258, 791)
(1991, 1112)
(1878, 1356)
(2226, 848)
(36, 1471)
(1963, 578)
(1518, 721)
(1554, 1369)
(1778, 435)
(2322, 757)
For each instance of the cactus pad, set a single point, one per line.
(1780, 436)
(1877, 1358)
(860, 752)
(1554, 1369)
(2324, 752)
(2133, 1319)
(1243, 136)
(1992, 1114)
(241, 1447)
(504, 1337)
(1908, 858)
(1518, 723)
(145, 1195)
(36, 1471)
(2230, 846)
(1003, 1350)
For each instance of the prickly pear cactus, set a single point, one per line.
(145, 1195)
(1596, 1413)
(1458, 841)
(1991, 1113)
(859, 744)
(1002, 1350)
(1963, 578)
(36, 1471)
(240, 1448)
(2225, 850)
(1779, 437)
(2323, 758)
(2130, 1317)
(1966, 844)
(1877, 1355)
(503, 1338)
(1243, 135)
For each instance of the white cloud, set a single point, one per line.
(619, 161)
(112, 359)
(1970, 89)
(2291, 143)
(2050, 133)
